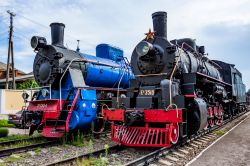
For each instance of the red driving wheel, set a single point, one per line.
(211, 120)
(174, 133)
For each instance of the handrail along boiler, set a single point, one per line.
(80, 84)
(178, 91)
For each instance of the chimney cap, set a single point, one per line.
(159, 13)
(57, 23)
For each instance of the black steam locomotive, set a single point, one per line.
(178, 91)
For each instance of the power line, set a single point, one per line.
(47, 27)
(35, 22)
(21, 37)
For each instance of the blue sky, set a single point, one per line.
(223, 26)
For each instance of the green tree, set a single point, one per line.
(27, 84)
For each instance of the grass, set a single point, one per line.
(23, 143)
(24, 155)
(17, 137)
(13, 158)
(101, 161)
(219, 132)
(38, 151)
(80, 140)
(17, 157)
(54, 149)
(4, 132)
(4, 123)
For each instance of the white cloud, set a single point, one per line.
(122, 23)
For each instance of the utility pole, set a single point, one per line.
(78, 48)
(10, 53)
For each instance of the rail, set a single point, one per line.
(97, 153)
(157, 154)
(8, 152)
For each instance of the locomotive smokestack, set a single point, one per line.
(57, 34)
(160, 24)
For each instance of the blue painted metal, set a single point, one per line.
(104, 76)
(107, 76)
(96, 76)
(109, 52)
(85, 112)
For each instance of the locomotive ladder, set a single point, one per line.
(65, 113)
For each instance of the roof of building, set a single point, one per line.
(20, 78)
(3, 67)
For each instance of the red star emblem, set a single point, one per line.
(150, 34)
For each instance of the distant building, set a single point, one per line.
(20, 75)
(11, 101)
(3, 69)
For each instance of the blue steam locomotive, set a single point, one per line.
(74, 86)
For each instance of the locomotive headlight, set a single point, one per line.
(143, 48)
(25, 95)
(38, 42)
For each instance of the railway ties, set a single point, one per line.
(180, 155)
(21, 149)
(184, 152)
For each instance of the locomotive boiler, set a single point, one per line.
(74, 85)
(177, 92)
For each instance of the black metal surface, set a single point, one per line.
(160, 24)
(50, 63)
(160, 56)
(57, 34)
(231, 75)
(160, 66)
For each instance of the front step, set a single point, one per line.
(52, 132)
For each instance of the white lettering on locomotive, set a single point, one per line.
(42, 105)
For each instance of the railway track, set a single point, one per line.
(14, 150)
(72, 160)
(114, 154)
(182, 153)
(179, 154)
(38, 142)
(11, 142)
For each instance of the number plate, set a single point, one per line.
(146, 92)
